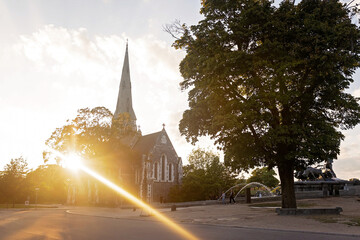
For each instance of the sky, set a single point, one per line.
(60, 56)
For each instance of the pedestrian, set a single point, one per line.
(232, 196)
(223, 197)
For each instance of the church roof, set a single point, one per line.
(146, 142)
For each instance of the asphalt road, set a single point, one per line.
(57, 224)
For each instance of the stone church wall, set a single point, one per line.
(162, 187)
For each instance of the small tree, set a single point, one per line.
(51, 179)
(12, 180)
(205, 177)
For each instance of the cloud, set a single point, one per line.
(71, 51)
(356, 93)
(95, 62)
(348, 165)
(60, 70)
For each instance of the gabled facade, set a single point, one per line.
(161, 167)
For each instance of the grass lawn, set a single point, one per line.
(348, 220)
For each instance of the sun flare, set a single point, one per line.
(72, 162)
(172, 225)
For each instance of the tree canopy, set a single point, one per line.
(102, 141)
(205, 177)
(94, 134)
(201, 159)
(268, 82)
(12, 180)
(264, 176)
(51, 180)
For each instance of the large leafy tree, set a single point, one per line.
(268, 82)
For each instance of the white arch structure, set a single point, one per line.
(247, 185)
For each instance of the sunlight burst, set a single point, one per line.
(141, 204)
(72, 162)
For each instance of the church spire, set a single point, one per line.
(124, 102)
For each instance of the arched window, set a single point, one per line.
(163, 165)
(149, 170)
(170, 172)
(137, 176)
(156, 171)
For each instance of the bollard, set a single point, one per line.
(337, 191)
(331, 190)
(173, 208)
(248, 195)
(325, 191)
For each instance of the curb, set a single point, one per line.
(135, 218)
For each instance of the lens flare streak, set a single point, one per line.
(78, 164)
(141, 204)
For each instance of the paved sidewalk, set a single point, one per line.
(243, 215)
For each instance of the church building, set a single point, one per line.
(148, 166)
(158, 168)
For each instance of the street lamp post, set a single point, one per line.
(36, 195)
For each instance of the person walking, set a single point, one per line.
(232, 196)
(223, 197)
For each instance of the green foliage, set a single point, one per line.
(268, 82)
(204, 178)
(85, 133)
(100, 140)
(94, 135)
(201, 159)
(12, 181)
(18, 184)
(264, 176)
(52, 182)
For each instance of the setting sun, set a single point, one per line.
(72, 162)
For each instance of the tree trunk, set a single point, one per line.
(286, 173)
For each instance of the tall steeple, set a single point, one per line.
(124, 102)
